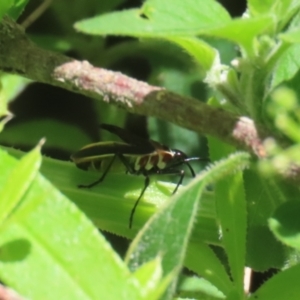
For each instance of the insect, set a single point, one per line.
(137, 155)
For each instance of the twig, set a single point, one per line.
(36, 13)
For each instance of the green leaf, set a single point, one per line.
(243, 31)
(202, 52)
(17, 8)
(263, 250)
(176, 218)
(167, 232)
(18, 182)
(263, 197)
(49, 238)
(149, 274)
(277, 7)
(257, 7)
(12, 86)
(281, 10)
(291, 36)
(285, 224)
(218, 149)
(206, 228)
(231, 211)
(5, 6)
(80, 10)
(158, 18)
(265, 202)
(287, 66)
(152, 286)
(284, 285)
(4, 121)
(199, 288)
(189, 18)
(201, 259)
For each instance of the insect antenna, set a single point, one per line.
(187, 160)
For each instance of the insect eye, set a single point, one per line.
(180, 154)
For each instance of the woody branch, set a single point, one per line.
(18, 55)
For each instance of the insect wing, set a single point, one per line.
(145, 145)
(103, 150)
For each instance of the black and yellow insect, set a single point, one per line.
(138, 156)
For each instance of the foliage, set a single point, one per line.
(237, 212)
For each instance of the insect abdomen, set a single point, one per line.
(156, 160)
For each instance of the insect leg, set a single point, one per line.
(147, 181)
(181, 173)
(131, 170)
(191, 169)
(101, 178)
